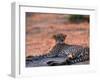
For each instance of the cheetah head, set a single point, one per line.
(59, 38)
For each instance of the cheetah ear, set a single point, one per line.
(64, 36)
(54, 36)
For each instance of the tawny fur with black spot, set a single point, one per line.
(74, 53)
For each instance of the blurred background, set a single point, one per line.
(40, 27)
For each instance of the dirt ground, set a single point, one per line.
(41, 27)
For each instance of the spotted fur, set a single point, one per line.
(74, 53)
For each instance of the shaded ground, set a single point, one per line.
(43, 62)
